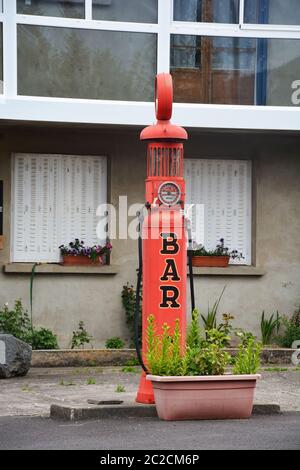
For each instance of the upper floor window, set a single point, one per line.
(235, 70)
(62, 8)
(276, 12)
(86, 64)
(140, 11)
(209, 11)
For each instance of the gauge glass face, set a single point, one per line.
(169, 193)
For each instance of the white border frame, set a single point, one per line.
(69, 110)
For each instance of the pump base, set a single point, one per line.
(145, 392)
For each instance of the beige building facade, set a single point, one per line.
(270, 282)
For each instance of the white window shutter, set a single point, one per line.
(55, 201)
(224, 188)
(19, 208)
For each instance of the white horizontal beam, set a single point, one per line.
(86, 24)
(233, 30)
(140, 114)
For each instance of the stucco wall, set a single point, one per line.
(60, 301)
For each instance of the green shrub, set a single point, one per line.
(163, 355)
(193, 338)
(292, 329)
(210, 320)
(43, 338)
(210, 358)
(128, 302)
(114, 343)
(80, 337)
(268, 326)
(247, 360)
(200, 357)
(16, 322)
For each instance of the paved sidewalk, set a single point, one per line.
(32, 395)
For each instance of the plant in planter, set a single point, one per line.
(192, 384)
(219, 257)
(76, 253)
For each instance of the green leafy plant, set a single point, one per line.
(120, 389)
(128, 302)
(132, 362)
(210, 320)
(199, 357)
(114, 343)
(210, 359)
(130, 370)
(291, 329)
(268, 327)
(43, 338)
(243, 335)
(220, 250)
(164, 351)
(247, 360)
(91, 381)
(67, 384)
(80, 337)
(16, 322)
(225, 326)
(193, 339)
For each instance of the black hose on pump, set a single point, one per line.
(138, 297)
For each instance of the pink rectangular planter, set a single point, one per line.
(204, 397)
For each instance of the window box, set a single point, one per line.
(211, 261)
(81, 260)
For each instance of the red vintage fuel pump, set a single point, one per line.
(163, 232)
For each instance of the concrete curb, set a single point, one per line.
(119, 357)
(69, 413)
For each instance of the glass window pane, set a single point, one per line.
(63, 8)
(139, 11)
(246, 71)
(272, 12)
(1, 58)
(77, 63)
(209, 11)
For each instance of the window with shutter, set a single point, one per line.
(222, 188)
(55, 198)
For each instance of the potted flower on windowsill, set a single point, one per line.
(192, 383)
(219, 257)
(77, 254)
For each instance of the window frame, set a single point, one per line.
(140, 113)
(249, 208)
(105, 164)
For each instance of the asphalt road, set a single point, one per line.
(260, 432)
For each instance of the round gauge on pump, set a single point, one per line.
(169, 193)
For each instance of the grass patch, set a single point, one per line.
(91, 381)
(130, 370)
(132, 362)
(66, 384)
(120, 389)
(275, 369)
